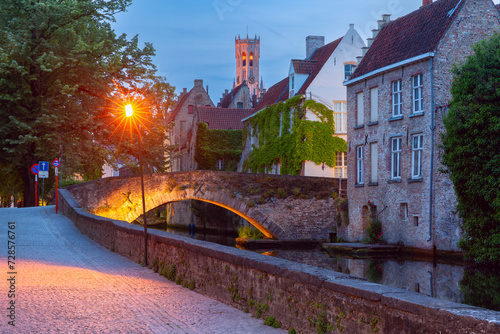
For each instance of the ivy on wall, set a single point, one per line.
(286, 137)
(212, 145)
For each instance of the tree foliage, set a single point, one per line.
(60, 66)
(472, 150)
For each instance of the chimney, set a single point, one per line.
(198, 83)
(426, 2)
(313, 43)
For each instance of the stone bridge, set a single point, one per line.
(282, 207)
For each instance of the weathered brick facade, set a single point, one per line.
(418, 211)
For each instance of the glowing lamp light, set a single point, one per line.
(128, 110)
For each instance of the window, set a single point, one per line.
(349, 70)
(373, 162)
(396, 158)
(190, 109)
(416, 161)
(397, 99)
(403, 211)
(244, 60)
(418, 99)
(374, 104)
(359, 164)
(220, 164)
(359, 109)
(292, 84)
(251, 59)
(341, 165)
(239, 105)
(340, 116)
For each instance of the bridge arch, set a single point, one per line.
(280, 216)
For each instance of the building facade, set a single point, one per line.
(319, 77)
(183, 133)
(247, 53)
(397, 98)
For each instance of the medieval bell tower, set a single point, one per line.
(247, 63)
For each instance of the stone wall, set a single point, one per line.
(280, 206)
(306, 298)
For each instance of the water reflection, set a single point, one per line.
(448, 281)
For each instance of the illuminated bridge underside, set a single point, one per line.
(289, 218)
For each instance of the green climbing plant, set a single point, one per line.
(285, 136)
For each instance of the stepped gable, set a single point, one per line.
(409, 36)
(276, 93)
(223, 118)
(318, 58)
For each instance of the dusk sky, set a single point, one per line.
(194, 39)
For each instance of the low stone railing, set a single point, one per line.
(297, 296)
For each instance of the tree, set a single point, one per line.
(472, 150)
(60, 64)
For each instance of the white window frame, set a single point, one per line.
(341, 165)
(417, 152)
(396, 146)
(374, 162)
(374, 104)
(359, 165)
(397, 98)
(349, 70)
(360, 111)
(220, 164)
(418, 90)
(340, 116)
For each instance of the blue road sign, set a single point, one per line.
(44, 166)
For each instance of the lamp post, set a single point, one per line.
(129, 112)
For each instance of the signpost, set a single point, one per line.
(34, 170)
(56, 163)
(43, 173)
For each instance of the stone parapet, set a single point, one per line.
(306, 298)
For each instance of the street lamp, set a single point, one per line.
(129, 112)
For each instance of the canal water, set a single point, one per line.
(452, 281)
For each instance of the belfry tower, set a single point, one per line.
(247, 63)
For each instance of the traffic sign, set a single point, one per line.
(34, 169)
(44, 166)
(56, 163)
(43, 171)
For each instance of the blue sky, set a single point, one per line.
(194, 39)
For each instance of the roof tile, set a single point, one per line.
(409, 36)
(276, 93)
(223, 118)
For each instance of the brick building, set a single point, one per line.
(397, 98)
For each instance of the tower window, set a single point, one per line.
(251, 59)
(244, 59)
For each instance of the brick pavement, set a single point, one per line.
(67, 283)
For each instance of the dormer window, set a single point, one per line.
(251, 59)
(244, 59)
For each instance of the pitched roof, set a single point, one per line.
(177, 108)
(320, 56)
(409, 36)
(498, 7)
(223, 118)
(276, 93)
(301, 66)
(226, 101)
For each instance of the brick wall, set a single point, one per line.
(302, 297)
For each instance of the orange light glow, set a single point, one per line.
(129, 111)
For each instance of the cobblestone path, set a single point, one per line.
(67, 283)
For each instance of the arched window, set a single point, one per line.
(251, 59)
(244, 59)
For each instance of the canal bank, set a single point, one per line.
(299, 296)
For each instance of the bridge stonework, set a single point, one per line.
(282, 207)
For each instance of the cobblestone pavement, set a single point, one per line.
(67, 283)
